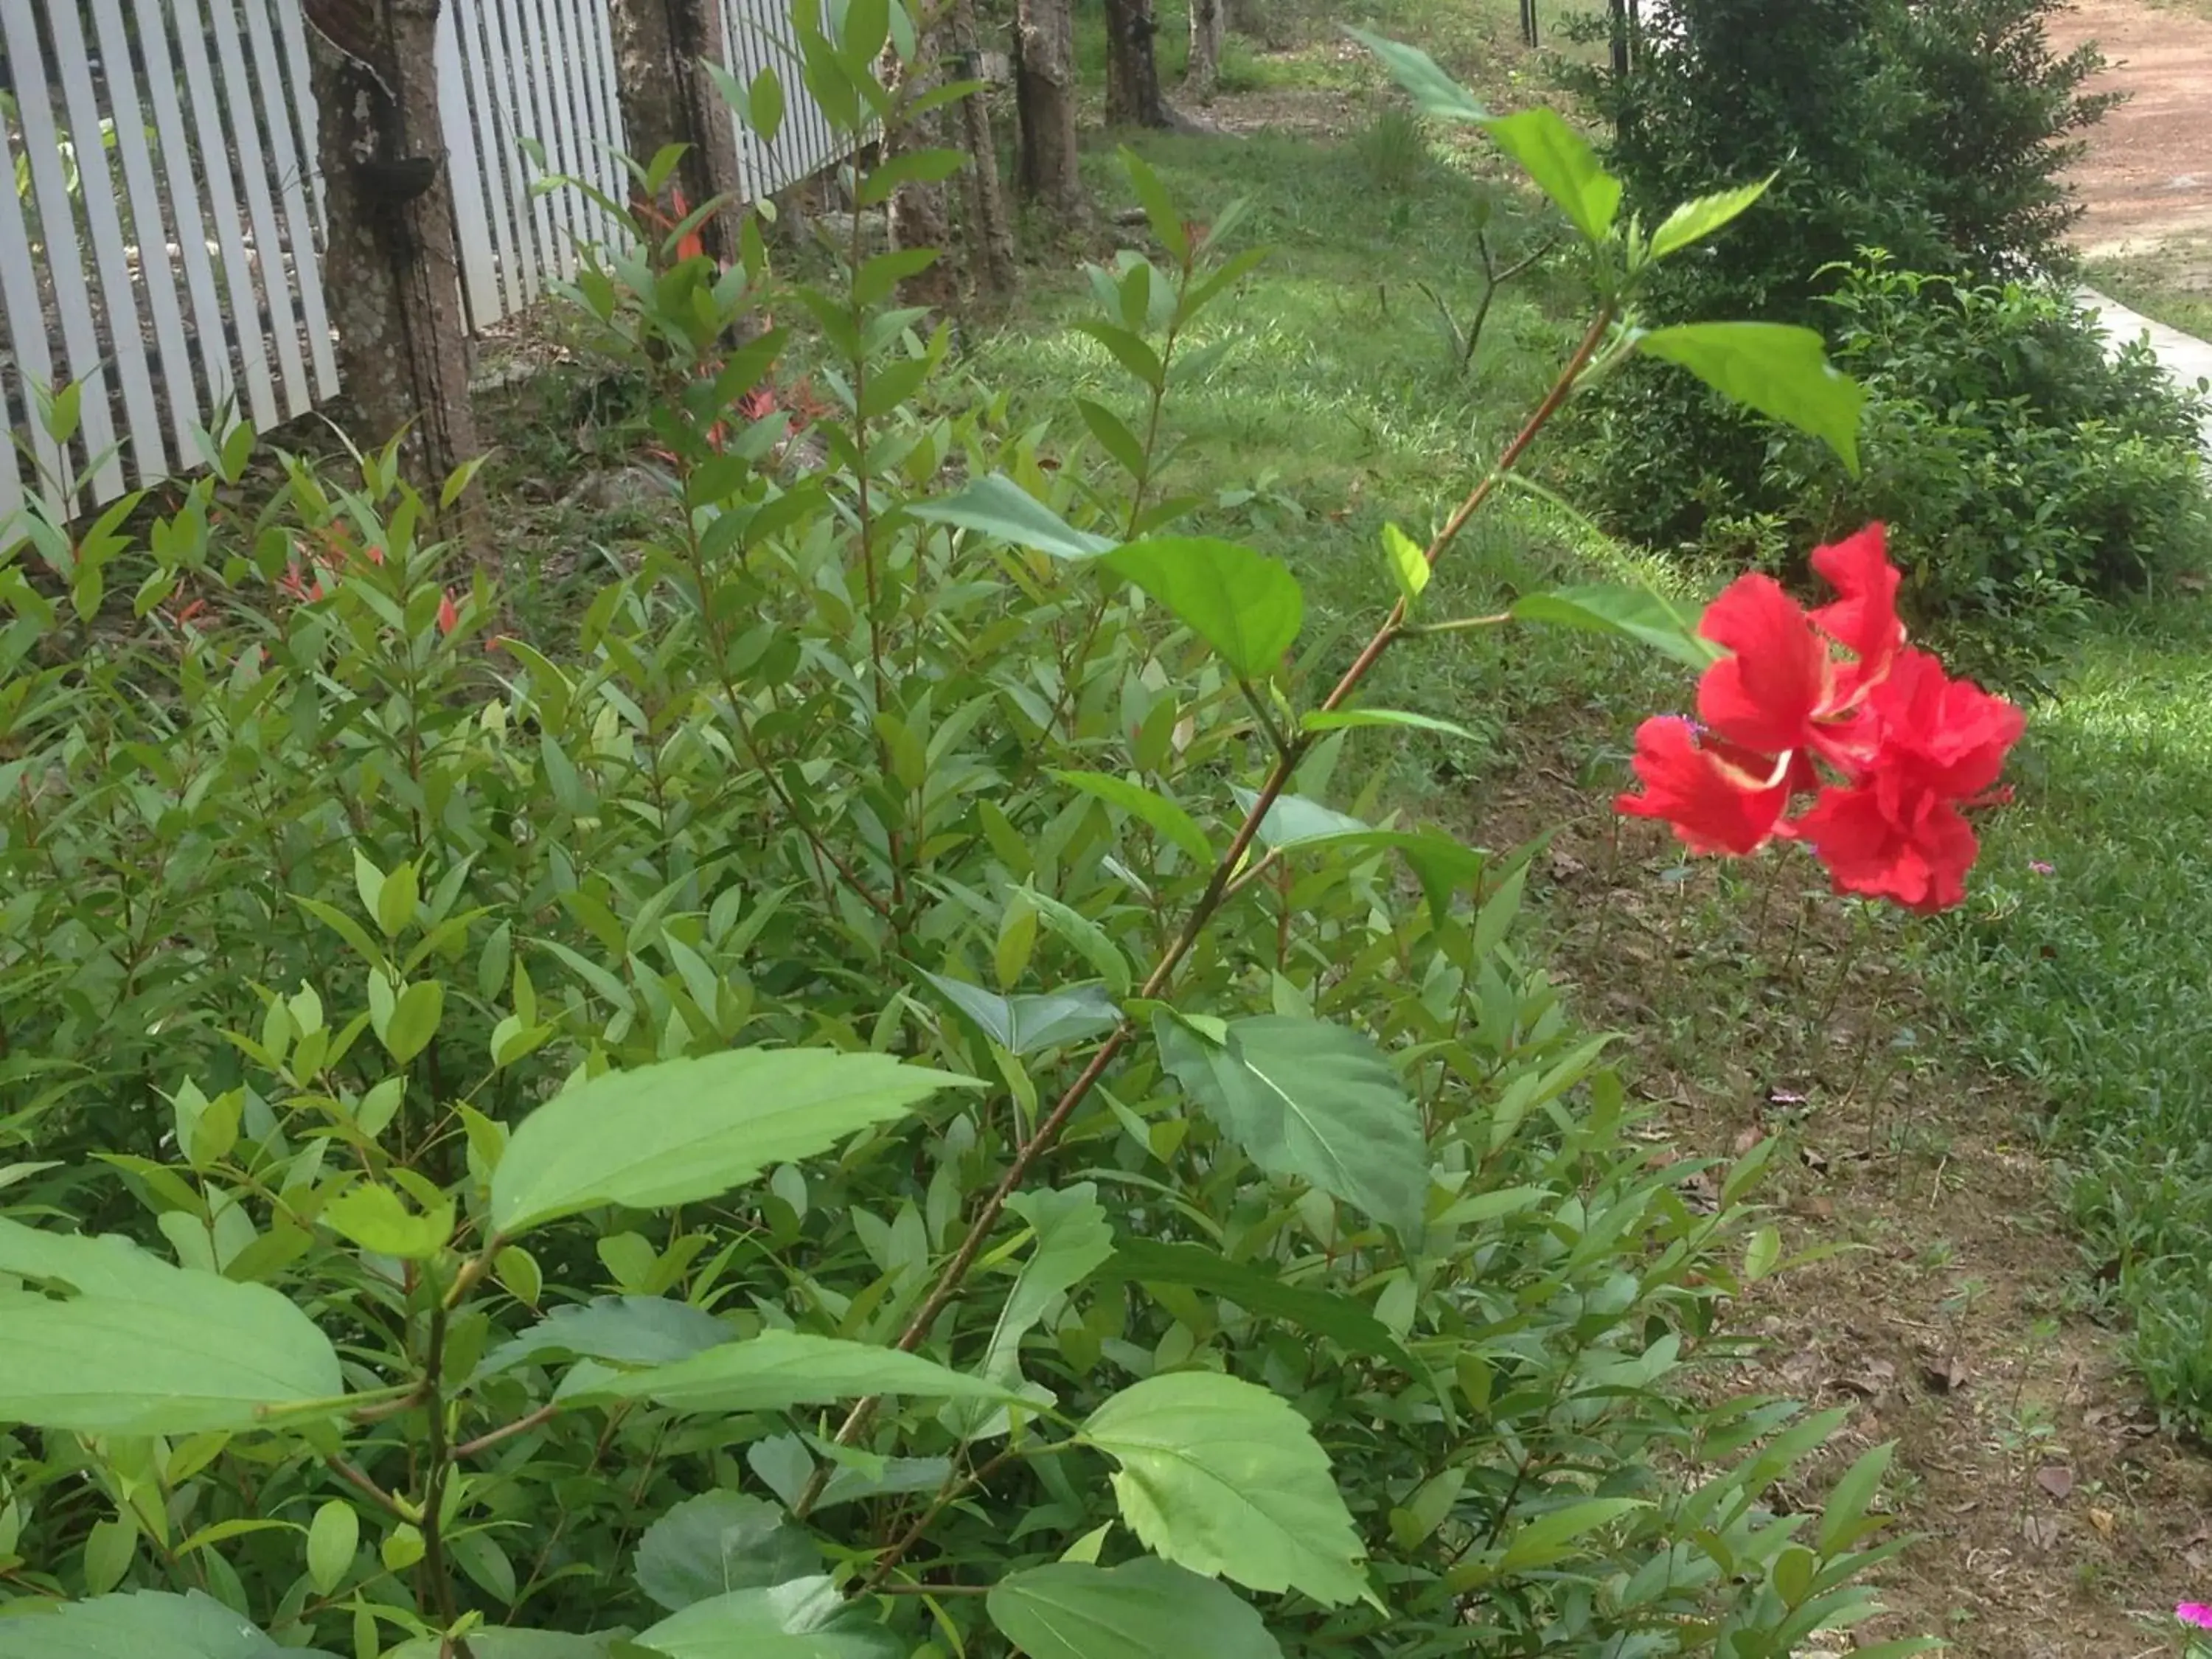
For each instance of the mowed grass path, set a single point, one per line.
(2083, 962)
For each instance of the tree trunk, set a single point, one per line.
(1133, 73)
(990, 239)
(917, 215)
(668, 96)
(389, 265)
(1204, 74)
(1044, 99)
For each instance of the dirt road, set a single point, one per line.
(2148, 178)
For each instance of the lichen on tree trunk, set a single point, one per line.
(390, 268)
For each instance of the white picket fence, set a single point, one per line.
(159, 218)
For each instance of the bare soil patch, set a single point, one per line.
(2146, 180)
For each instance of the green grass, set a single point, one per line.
(2091, 980)
(2173, 285)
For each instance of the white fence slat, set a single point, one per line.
(57, 228)
(95, 182)
(239, 305)
(26, 338)
(149, 226)
(493, 148)
(290, 169)
(606, 112)
(472, 238)
(532, 214)
(283, 327)
(303, 99)
(561, 152)
(552, 134)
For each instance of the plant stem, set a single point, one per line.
(438, 1460)
(956, 1270)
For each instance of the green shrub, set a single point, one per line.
(883, 1089)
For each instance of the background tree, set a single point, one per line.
(389, 260)
(1203, 73)
(989, 235)
(1132, 71)
(663, 52)
(1044, 100)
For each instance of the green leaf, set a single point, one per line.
(996, 505)
(1224, 1478)
(619, 1330)
(1292, 820)
(1443, 865)
(1634, 613)
(1147, 806)
(1089, 940)
(414, 1020)
(1160, 207)
(146, 1348)
(1340, 1319)
(493, 1642)
(332, 1541)
(1436, 93)
(1319, 1102)
(804, 1618)
(152, 1623)
(1114, 436)
(1409, 563)
(1072, 1238)
(1023, 1024)
(1696, 220)
(1246, 605)
(1336, 719)
(764, 105)
(1563, 165)
(1847, 1503)
(1781, 372)
(1550, 1537)
(378, 1220)
(688, 1129)
(1143, 1609)
(779, 1370)
(718, 1542)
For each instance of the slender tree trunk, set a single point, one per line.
(389, 265)
(1133, 71)
(1204, 74)
(669, 96)
(917, 215)
(990, 239)
(1044, 97)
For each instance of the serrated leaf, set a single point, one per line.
(995, 505)
(1780, 371)
(718, 1542)
(1696, 220)
(147, 1623)
(1246, 605)
(804, 1618)
(1023, 1024)
(1312, 1100)
(1225, 1478)
(691, 1129)
(1072, 1238)
(1633, 613)
(378, 1220)
(618, 1330)
(779, 1370)
(1147, 1609)
(1563, 167)
(1148, 806)
(1436, 93)
(147, 1348)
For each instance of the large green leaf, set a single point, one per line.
(1321, 1312)
(1293, 819)
(1780, 371)
(1307, 1098)
(1442, 864)
(495, 1641)
(1226, 1479)
(1072, 1238)
(1147, 1608)
(1696, 220)
(1246, 605)
(140, 1625)
(804, 1618)
(622, 1330)
(1168, 819)
(1563, 165)
(689, 1129)
(778, 1370)
(1436, 93)
(144, 1347)
(1023, 1024)
(1634, 613)
(996, 505)
(718, 1542)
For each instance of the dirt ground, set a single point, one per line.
(2147, 176)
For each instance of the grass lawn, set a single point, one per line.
(2172, 284)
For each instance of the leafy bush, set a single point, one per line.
(891, 950)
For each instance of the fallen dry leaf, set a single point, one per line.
(2056, 1480)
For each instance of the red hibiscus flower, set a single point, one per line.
(1890, 745)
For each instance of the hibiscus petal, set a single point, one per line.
(1767, 693)
(1884, 842)
(1864, 620)
(1947, 736)
(1711, 807)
